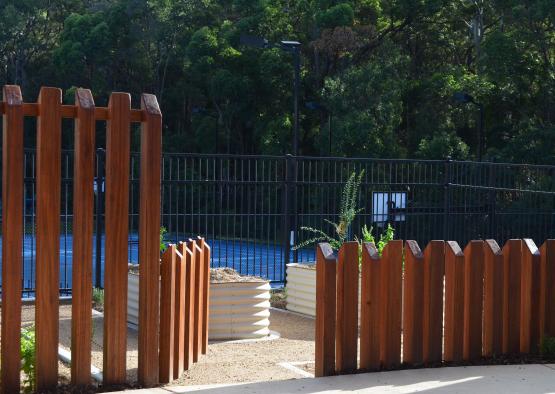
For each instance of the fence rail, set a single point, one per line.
(497, 302)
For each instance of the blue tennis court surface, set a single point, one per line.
(247, 257)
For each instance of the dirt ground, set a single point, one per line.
(225, 361)
(257, 361)
(288, 357)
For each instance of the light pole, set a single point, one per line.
(293, 47)
(465, 98)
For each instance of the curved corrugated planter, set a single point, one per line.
(301, 288)
(239, 310)
(133, 299)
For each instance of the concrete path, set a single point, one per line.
(529, 379)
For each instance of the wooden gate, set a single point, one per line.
(440, 305)
(49, 112)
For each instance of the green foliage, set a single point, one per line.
(348, 211)
(28, 361)
(337, 15)
(385, 71)
(98, 296)
(385, 237)
(441, 146)
(163, 245)
(548, 347)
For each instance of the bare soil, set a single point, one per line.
(227, 362)
(228, 275)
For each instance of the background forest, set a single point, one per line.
(380, 74)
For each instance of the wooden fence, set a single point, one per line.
(49, 112)
(425, 308)
(185, 290)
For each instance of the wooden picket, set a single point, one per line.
(452, 305)
(83, 200)
(178, 318)
(12, 237)
(511, 296)
(49, 112)
(370, 308)
(347, 310)
(547, 288)
(454, 302)
(413, 289)
(473, 296)
(493, 299)
(49, 147)
(325, 311)
(390, 304)
(434, 269)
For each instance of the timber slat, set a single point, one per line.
(547, 288)
(390, 304)
(493, 299)
(530, 298)
(473, 296)
(189, 304)
(326, 264)
(370, 308)
(192, 244)
(454, 302)
(434, 269)
(83, 207)
(205, 297)
(117, 234)
(200, 289)
(149, 236)
(346, 341)
(12, 237)
(179, 327)
(49, 148)
(413, 311)
(167, 314)
(512, 254)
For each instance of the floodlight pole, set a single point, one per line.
(295, 48)
(297, 60)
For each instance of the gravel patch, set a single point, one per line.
(256, 361)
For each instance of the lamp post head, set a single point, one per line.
(290, 46)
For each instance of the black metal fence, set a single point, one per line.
(251, 208)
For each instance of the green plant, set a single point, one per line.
(163, 245)
(98, 296)
(548, 347)
(28, 358)
(348, 211)
(385, 237)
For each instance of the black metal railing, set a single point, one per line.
(251, 208)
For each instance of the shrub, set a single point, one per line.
(28, 358)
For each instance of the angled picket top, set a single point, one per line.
(434, 306)
(49, 112)
(183, 326)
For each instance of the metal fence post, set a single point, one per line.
(100, 161)
(446, 197)
(289, 210)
